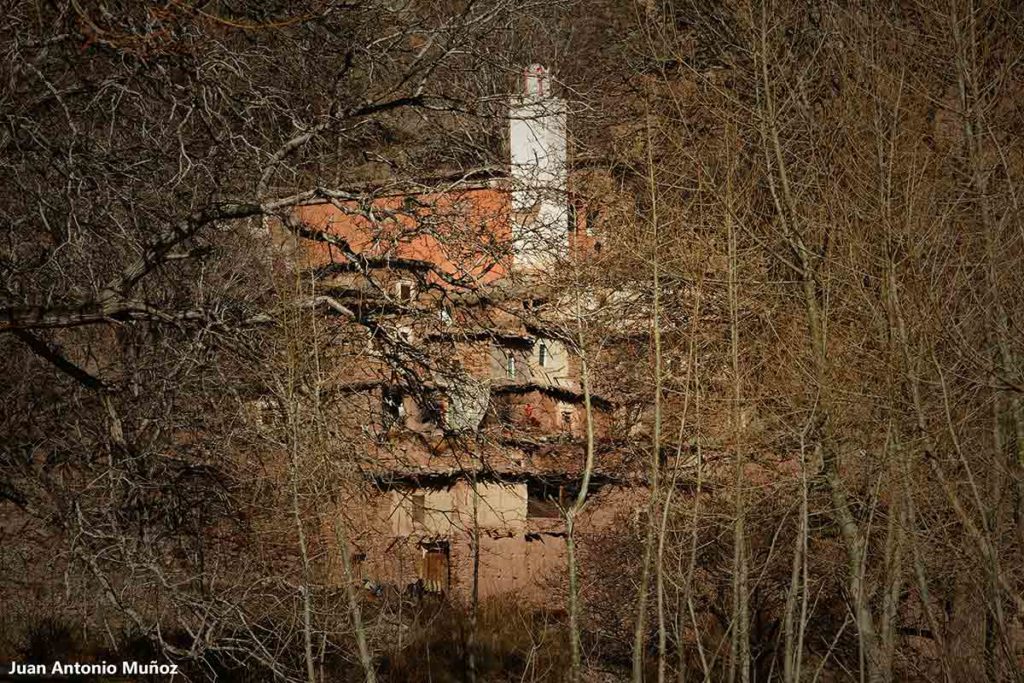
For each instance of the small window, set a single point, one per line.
(542, 354)
(503, 411)
(542, 500)
(393, 405)
(419, 508)
(404, 290)
(566, 420)
(510, 366)
(435, 410)
(590, 221)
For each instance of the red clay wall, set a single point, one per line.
(463, 232)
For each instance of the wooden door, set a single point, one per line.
(435, 568)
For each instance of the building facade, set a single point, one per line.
(461, 399)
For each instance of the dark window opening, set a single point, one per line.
(543, 500)
(542, 354)
(503, 411)
(405, 291)
(566, 420)
(392, 405)
(591, 221)
(435, 411)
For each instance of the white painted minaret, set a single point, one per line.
(537, 142)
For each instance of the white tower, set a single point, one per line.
(540, 206)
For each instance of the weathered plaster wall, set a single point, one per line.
(518, 554)
(446, 229)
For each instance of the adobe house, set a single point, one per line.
(471, 416)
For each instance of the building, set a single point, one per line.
(464, 399)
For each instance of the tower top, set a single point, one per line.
(536, 81)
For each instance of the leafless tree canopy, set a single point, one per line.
(787, 307)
